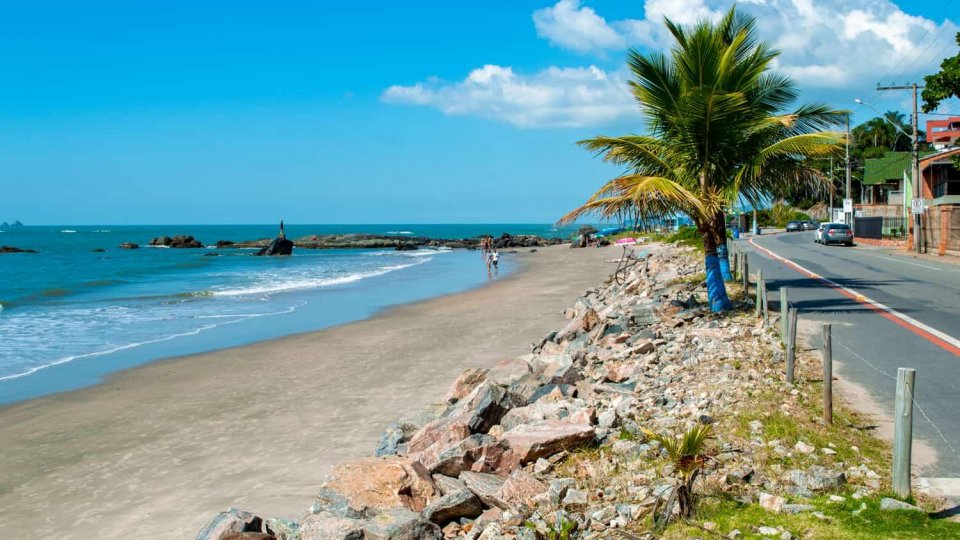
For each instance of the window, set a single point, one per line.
(946, 180)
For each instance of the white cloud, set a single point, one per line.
(554, 97)
(824, 43)
(836, 45)
(570, 26)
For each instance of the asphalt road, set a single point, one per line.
(870, 346)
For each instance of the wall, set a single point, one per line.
(942, 222)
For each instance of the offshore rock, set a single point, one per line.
(11, 249)
(179, 241)
(278, 246)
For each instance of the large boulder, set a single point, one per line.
(520, 489)
(485, 486)
(178, 241)
(229, 523)
(465, 383)
(584, 323)
(278, 246)
(366, 486)
(400, 524)
(327, 526)
(532, 441)
(439, 434)
(453, 506)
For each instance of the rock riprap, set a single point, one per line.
(493, 460)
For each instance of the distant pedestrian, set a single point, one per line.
(495, 260)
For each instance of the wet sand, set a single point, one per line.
(156, 451)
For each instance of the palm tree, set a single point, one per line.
(688, 454)
(717, 133)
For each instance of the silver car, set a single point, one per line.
(834, 233)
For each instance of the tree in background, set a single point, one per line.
(944, 84)
(718, 133)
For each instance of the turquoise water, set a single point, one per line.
(70, 315)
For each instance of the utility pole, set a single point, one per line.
(848, 219)
(915, 166)
(830, 211)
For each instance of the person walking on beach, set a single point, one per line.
(495, 260)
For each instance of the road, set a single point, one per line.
(869, 345)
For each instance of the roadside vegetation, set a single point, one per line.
(766, 426)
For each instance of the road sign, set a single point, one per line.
(848, 206)
(917, 206)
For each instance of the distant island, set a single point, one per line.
(16, 223)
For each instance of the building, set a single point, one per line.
(883, 179)
(943, 133)
(888, 192)
(941, 195)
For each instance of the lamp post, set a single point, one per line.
(914, 166)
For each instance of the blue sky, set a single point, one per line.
(371, 112)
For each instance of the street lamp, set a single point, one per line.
(914, 170)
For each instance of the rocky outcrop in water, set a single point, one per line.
(16, 224)
(379, 241)
(12, 249)
(129, 245)
(179, 241)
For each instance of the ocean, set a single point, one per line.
(71, 315)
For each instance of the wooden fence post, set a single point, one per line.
(734, 259)
(827, 374)
(746, 274)
(903, 431)
(792, 345)
(759, 310)
(766, 305)
(783, 315)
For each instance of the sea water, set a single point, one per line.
(71, 315)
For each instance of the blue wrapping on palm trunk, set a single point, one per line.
(716, 291)
(723, 254)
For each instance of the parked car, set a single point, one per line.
(794, 226)
(809, 225)
(834, 233)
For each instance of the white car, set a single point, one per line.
(818, 235)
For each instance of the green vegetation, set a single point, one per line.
(779, 214)
(944, 84)
(718, 132)
(838, 522)
(687, 453)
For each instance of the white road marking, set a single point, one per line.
(951, 343)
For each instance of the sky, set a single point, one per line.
(422, 111)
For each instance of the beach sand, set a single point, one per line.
(156, 451)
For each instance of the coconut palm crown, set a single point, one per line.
(718, 131)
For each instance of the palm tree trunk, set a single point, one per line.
(716, 291)
(722, 253)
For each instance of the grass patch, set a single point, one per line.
(840, 521)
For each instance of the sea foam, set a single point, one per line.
(311, 283)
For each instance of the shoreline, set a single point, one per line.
(155, 449)
(295, 312)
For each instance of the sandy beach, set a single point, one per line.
(156, 451)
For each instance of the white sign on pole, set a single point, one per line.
(848, 206)
(917, 206)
